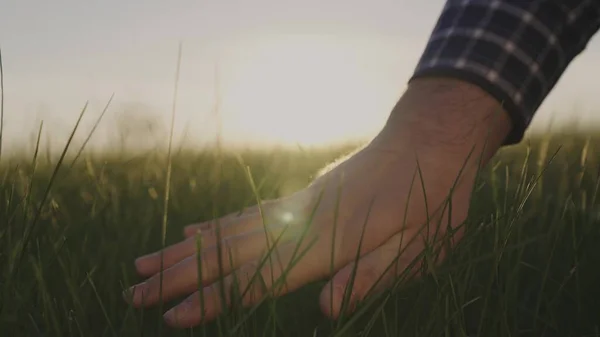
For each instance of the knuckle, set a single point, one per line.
(367, 278)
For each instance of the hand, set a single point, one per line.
(376, 203)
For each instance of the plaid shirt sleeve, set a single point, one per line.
(515, 50)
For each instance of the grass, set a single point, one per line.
(69, 234)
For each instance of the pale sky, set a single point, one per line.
(289, 71)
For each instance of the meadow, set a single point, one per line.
(71, 227)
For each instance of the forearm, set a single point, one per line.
(486, 69)
(514, 50)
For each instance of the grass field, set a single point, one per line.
(528, 265)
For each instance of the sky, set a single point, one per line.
(258, 72)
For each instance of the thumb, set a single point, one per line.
(371, 274)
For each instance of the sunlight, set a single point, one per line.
(307, 90)
(287, 217)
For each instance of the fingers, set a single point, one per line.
(253, 282)
(293, 208)
(191, 230)
(375, 271)
(230, 225)
(182, 278)
(151, 264)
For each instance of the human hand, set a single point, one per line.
(382, 205)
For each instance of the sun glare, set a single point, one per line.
(300, 90)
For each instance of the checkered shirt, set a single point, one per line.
(515, 50)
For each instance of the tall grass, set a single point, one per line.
(526, 266)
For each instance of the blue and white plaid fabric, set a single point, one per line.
(516, 50)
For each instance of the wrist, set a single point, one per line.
(446, 120)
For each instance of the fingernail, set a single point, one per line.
(144, 257)
(139, 290)
(128, 293)
(170, 315)
(139, 262)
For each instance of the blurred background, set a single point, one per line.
(259, 73)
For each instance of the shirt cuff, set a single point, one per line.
(513, 49)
